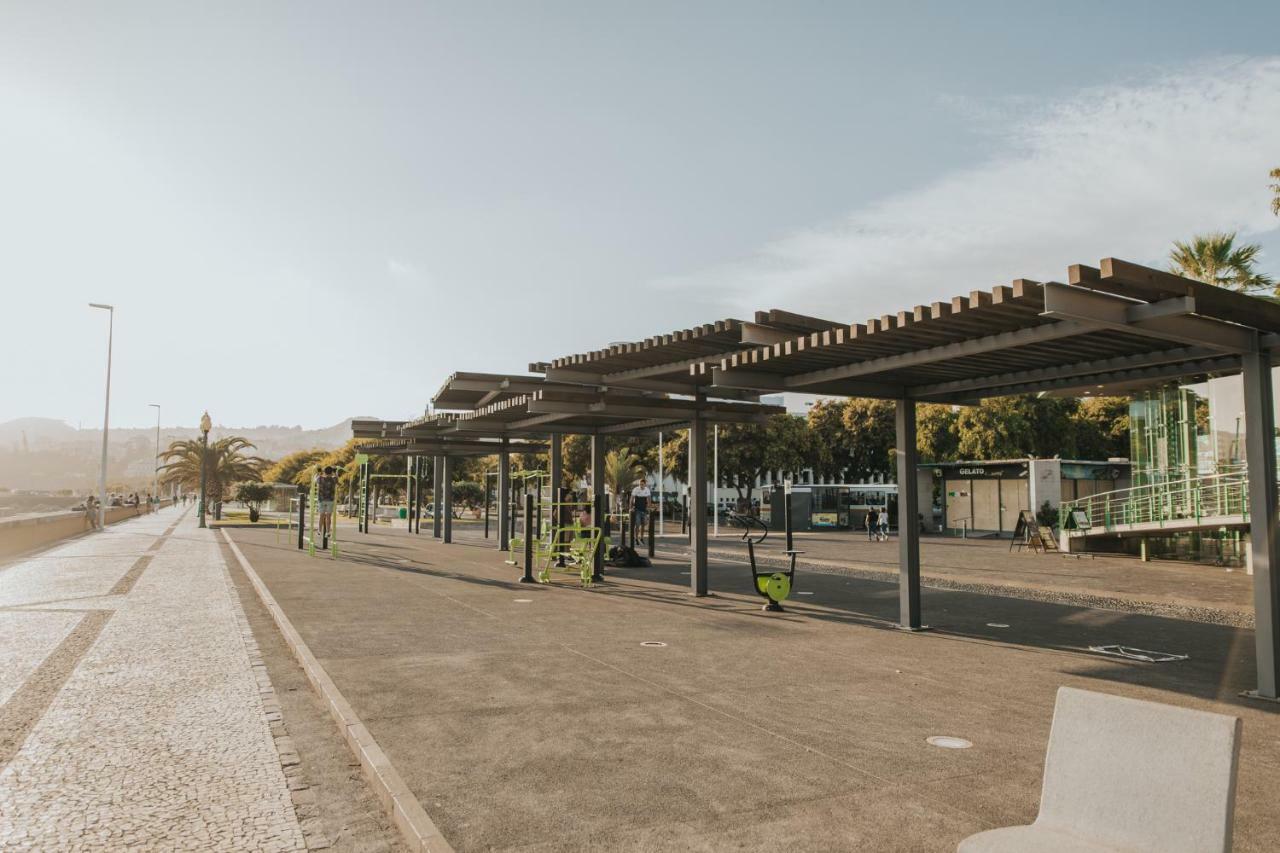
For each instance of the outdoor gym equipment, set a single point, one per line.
(330, 537)
(775, 587)
(567, 549)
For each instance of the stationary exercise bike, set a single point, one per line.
(774, 587)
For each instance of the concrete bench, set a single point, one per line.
(1125, 774)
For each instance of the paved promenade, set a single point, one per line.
(134, 709)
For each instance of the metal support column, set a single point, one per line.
(908, 529)
(598, 503)
(437, 477)
(527, 577)
(1260, 453)
(698, 504)
(408, 491)
(446, 498)
(504, 498)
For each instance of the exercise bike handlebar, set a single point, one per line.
(749, 523)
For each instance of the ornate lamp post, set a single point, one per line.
(205, 425)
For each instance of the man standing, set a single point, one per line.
(326, 486)
(640, 503)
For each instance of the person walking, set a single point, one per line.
(326, 486)
(872, 523)
(884, 525)
(91, 512)
(640, 504)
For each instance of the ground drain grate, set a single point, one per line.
(653, 644)
(1144, 655)
(947, 742)
(997, 624)
(523, 601)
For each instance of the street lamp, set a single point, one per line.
(106, 417)
(205, 426)
(155, 488)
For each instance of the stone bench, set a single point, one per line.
(1126, 774)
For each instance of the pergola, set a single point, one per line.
(1116, 325)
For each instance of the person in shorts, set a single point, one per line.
(640, 504)
(326, 486)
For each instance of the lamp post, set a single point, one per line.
(205, 425)
(155, 487)
(106, 416)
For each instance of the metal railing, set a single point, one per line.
(1173, 502)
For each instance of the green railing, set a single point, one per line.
(1194, 499)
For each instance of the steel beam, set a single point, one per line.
(908, 529)
(1260, 452)
(447, 489)
(1064, 371)
(1168, 320)
(698, 506)
(437, 502)
(504, 497)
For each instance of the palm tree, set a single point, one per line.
(1275, 188)
(226, 463)
(621, 469)
(1216, 259)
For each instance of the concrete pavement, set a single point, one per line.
(136, 712)
(532, 717)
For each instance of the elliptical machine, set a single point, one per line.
(774, 587)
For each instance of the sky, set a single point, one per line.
(307, 211)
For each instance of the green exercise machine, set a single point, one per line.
(775, 587)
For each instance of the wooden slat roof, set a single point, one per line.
(1008, 338)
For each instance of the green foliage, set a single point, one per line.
(468, 493)
(1275, 188)
(936, 436)
(829, 439)
(1102, 427)
(621, 470)
(1216, 259)
(291, 467)
(872, 434)
(254, 495)
(225, 462)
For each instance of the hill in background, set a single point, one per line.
(48, 455)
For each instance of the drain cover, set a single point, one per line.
(524, 601)
(653, 644)
(997, 625)
(948, 742)
(804, 593)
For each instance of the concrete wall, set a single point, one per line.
(20, 535)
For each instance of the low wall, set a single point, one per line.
(20, 535)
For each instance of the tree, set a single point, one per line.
(1102, 427)
(469, 493)
(829, 439)
(291, 467)
(936, 437)
(1013, 427)
(575, 454)
(254, 495)
(871, 425)
(1275, 188)
(1216, 259)
(226, 462)
(621, 469)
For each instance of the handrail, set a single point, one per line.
(1195, 498)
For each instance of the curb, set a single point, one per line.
(419, 831)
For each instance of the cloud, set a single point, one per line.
(1120, 170)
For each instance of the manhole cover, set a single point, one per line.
(804, 593)
(524, 601)
(997, 625)
(653, 644)
(948, 742)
